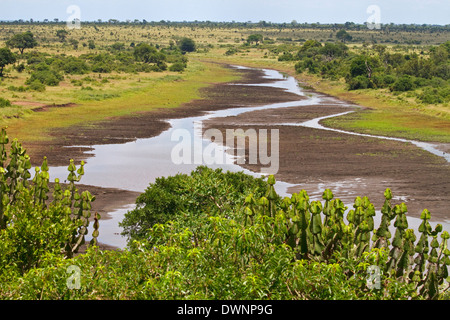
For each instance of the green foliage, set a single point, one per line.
(32, 226)
(186, 196)
(91, 44)
(343, 35)
(62, 34)
(36, 85)
(148, 54)
(22, 41)
(404, 83)
(6, 57)
(187, 45)
(425, 77)
(178, 67)
(256, 38)
(359, 82)
(4, 103)
(70, 65)
(266, 248)
(435, 95)
(46, 77)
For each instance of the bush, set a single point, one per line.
(20, 68)
(187, 45)
(75, 66)
(404, 83)
(177, 67)
(231, 51)
(388, 79)
(101, 67)
(286, 56)
(17, 89)
(36, 85)
(31, 226)
(359, 82)
(434, 95)
(4, 103)
(260, 247)
(47, 77)
(205, 190)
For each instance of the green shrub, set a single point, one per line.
(434, 95)
(205, 190)
(36, 85)
(359, 82)
(17, 89)
(177, 67)
(260, 247)
(286, 56)
(404, 83)
(46, 77)
(4, 103)
(31, 227)
(101, 67)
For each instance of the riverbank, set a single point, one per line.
(311, 159)
(75, 142)
(350, 165)
(384, 113)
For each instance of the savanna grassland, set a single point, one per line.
(214, 235)
(395, 113)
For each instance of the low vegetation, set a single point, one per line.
(214, 234)
(225, 236)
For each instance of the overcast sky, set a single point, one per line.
(323, 11)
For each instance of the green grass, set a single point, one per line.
(391, 122)
(165, 91)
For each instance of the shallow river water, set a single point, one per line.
(132, 166)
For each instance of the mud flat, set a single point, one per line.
(350, 165)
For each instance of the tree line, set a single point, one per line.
(247, 24)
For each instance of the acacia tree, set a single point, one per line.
(62, 34)
(148, 54)
(22, 41)
(6, 57)
(254, 38)
(343, 35)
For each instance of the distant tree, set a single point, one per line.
(62, 34)
(333, 50)
(255, 38)
(309, 44)
(343, 35)
(91, 44)
(187, 45)
(74, 43)
(6, 57)
(118, 46)
(22, 41)
(148, 54)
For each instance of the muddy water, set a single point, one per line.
(132, 166)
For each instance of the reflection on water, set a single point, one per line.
(132, 166)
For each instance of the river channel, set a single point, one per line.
(132, 166)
